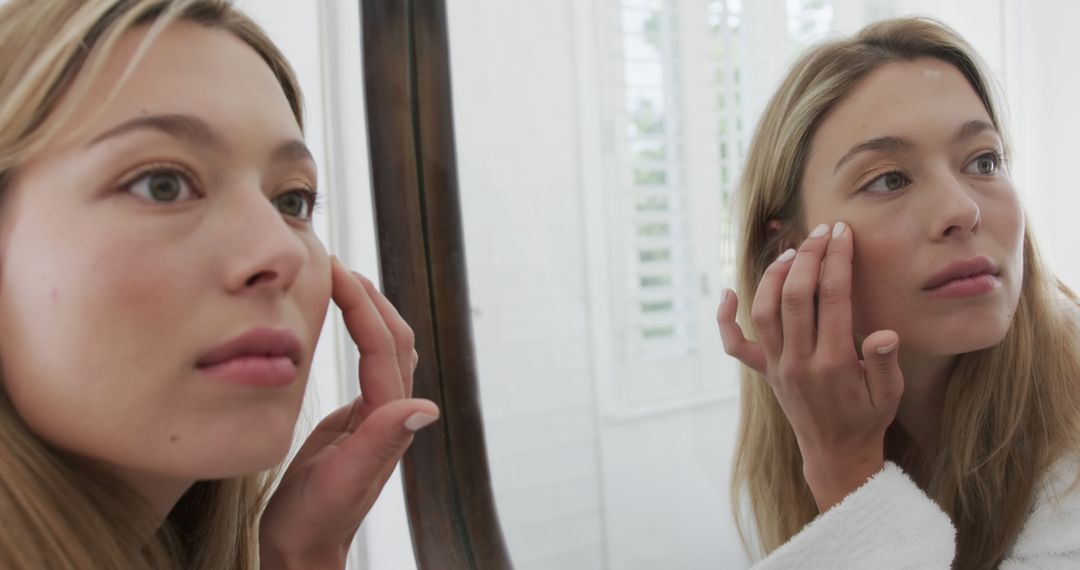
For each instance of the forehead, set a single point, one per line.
(922, 100)
(190, 69)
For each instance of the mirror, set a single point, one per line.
(599, 144)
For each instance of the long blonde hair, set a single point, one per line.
(58, 511)
(1009, 410)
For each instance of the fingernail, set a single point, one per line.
(787, 255)
(820, 231)
(724, 296)
(888, 348)
(838, 229)
(419, 421)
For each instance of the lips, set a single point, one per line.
(960, 270)
(260, 356)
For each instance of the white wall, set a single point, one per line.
(1044, 91)
(517, 153)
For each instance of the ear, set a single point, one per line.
(778, 234)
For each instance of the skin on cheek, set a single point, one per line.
(322, 283)
(875, 291)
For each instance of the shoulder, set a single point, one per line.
(889, 522)
(1051, 535)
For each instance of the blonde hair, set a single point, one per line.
(58, 511)
(1010, 410)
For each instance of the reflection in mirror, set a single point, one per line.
(599, 147)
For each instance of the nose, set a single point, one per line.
(954, 209)
(265, 251)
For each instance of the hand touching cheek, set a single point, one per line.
(838, 405)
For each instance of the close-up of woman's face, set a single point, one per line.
(161, 286)
(910, 159)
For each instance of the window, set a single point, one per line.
(672, 72)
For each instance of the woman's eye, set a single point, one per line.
(888, 182)
(162, 186)
(984, 164)
(296, 203)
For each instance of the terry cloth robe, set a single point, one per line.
(890, 523)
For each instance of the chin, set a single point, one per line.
(248, 459)
(964, 338)
(230, 452)
(964, 346)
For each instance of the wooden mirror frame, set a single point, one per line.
(448, 493)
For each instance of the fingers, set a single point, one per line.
(328, 430)
(883, 377)
(834, 296)
(367, 457)
(404, 338)
(735, 344)
(765, 310)
(343, 422)
(797, 296)
(381, 375)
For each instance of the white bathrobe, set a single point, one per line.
(889, 524)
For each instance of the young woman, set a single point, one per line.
(161, 294)
(877, 206)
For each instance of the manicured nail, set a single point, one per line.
(838, 229)
(419, 421)
(787, 255)
(820, 231)
(888, 348)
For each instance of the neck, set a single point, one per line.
(925, 379)
(161, 493)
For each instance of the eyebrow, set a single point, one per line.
(896, 144)
(197, 132)
(183, 127)
(293, 150)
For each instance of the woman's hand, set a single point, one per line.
(838, 406)
(339, 471)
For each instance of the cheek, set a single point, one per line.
(1010, 215)
(878, 270)
(80, 322)
(315, 286)
(1004, 221)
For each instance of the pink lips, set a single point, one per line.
(966, 278)
(259, 357)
